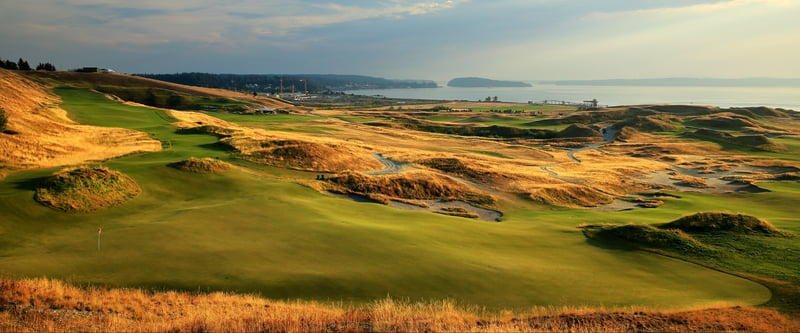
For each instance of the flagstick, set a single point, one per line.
(99, 231)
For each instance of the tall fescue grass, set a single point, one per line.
(420, 185)
(44, 305)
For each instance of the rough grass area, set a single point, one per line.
(759, 142)
(647, 236)
(579, 131)
(411, 185)
(570, 195)
(724, 222)
(85, 190)
(648, 123)
(457, 167)
(202, 165)
(304, 155)
(42, 305)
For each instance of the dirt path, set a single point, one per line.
(608, 136)
(391, 166)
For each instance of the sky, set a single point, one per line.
(410, 39)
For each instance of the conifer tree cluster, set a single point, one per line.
(23, 65)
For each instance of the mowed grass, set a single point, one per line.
(241, 231)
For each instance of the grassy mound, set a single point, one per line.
(202, 165)
(646, 236)
(719, 222)
(569, 195)
(648, 123)
(627, 134)
(457, 167)
(724, 121)
(85, 190)
(305, 155)
(578, 131)
(412, 185)
(760, 142)
(758, 111)
(684, 110)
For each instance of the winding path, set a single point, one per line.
(391, 166)
(608, 136)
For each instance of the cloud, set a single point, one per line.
(693, 9)
(156, 22)
(437, 39)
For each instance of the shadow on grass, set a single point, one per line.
(30, 184)
(217, 146)
(608, 245)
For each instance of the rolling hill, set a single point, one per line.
(269, 226)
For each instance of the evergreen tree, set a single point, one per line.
(23, 65)
(2, 63)
(11, 65)
(45, 67)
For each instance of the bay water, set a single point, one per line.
(775, 97)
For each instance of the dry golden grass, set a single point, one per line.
(690, 181)
(570, 195)
(43, 135)
(419, 185)
(283, 149)
(43, 305)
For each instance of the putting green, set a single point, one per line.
(243, 232)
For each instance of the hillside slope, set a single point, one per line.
(136, 89)
(39, 133)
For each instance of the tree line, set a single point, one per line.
(23, 65)
(276, 83)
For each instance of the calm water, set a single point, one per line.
(776, 97)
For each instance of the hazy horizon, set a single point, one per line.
(521, 40)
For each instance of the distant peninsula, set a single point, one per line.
(477, 82)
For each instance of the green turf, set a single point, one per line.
(258, 232)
